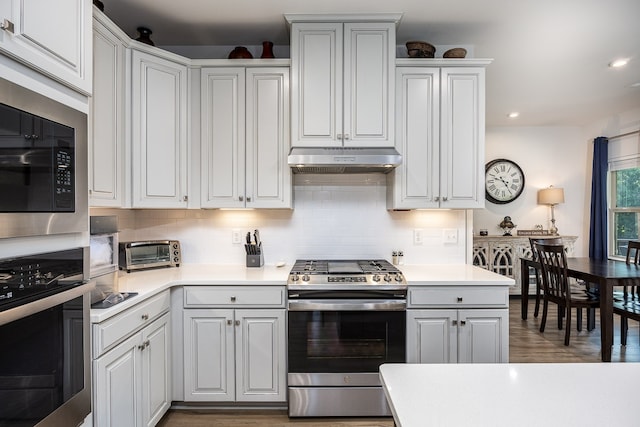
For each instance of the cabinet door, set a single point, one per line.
(316, 84)
(106, 147)
(159, 132)
(117, 389)
(369, 68)
(483, 336)
(209, 355)
(268, 176)
(260, 355)
(462, 137)
(415, 183)
(156, 372)
(53, 37)
(432, 336)
(223, 137)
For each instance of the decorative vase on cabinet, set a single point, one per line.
(267, 50)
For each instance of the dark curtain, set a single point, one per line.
(598, 224)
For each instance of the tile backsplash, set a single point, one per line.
(335, 217)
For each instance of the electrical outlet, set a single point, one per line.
(450, 235)
(236, 236)
(417, 236)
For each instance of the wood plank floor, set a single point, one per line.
(526, 345)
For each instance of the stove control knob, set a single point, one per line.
(376, 277)
(305, 278)
(295, 277)
(398, 277)
(387, 278)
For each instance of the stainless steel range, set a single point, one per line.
(346, 318)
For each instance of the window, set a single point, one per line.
(624, 211)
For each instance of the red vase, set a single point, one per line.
(267, 50)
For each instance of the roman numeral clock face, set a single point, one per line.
(503, 180)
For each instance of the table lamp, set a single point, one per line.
(551, 196)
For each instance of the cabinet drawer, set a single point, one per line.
(111, 331)
(446, 296)
(234, 296)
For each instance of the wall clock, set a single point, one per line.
(503, 181)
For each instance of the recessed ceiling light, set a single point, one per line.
(618, 63)
(513, 115)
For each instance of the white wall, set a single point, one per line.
(548, 156)
(335, 216)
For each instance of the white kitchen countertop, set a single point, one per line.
(452, 274)
(497, 395)
(151, 282)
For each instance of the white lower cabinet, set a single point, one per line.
(234, 354)
(132, 380)
(452, 325)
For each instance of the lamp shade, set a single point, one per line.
(551, 196)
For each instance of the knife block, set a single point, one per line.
(255, 260)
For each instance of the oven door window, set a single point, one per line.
(145, 254)
(41, 363)
(345, 341)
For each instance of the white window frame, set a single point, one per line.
(612, 209)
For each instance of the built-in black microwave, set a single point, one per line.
(37, 163)
(43, 165)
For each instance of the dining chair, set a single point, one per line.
(577, 287)
(628, 307)
(532, 240)
(557, 288)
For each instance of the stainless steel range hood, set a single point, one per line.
(343, 159)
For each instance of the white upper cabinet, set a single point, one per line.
(53, 37)
(342, 81)
(440, 134)
(159, 132)
(245, 137)
(107, 142)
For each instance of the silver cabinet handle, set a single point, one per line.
(346, 136)
(463, 322)
(437, 198)
(185, 199)
(229, 321)
(7, 26)
(248, 199)
(444, 199)
(233, 299)
(241, 198)
(459, 299)
(237, 323)
(145, 317)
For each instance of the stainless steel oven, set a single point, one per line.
(341, 328)
(43, 165)
(44, 330)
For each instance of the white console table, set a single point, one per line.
(501, 254)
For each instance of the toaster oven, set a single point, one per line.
(149, 254)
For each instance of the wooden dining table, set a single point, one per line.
(606, 274)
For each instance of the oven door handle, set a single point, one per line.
(347, 305)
